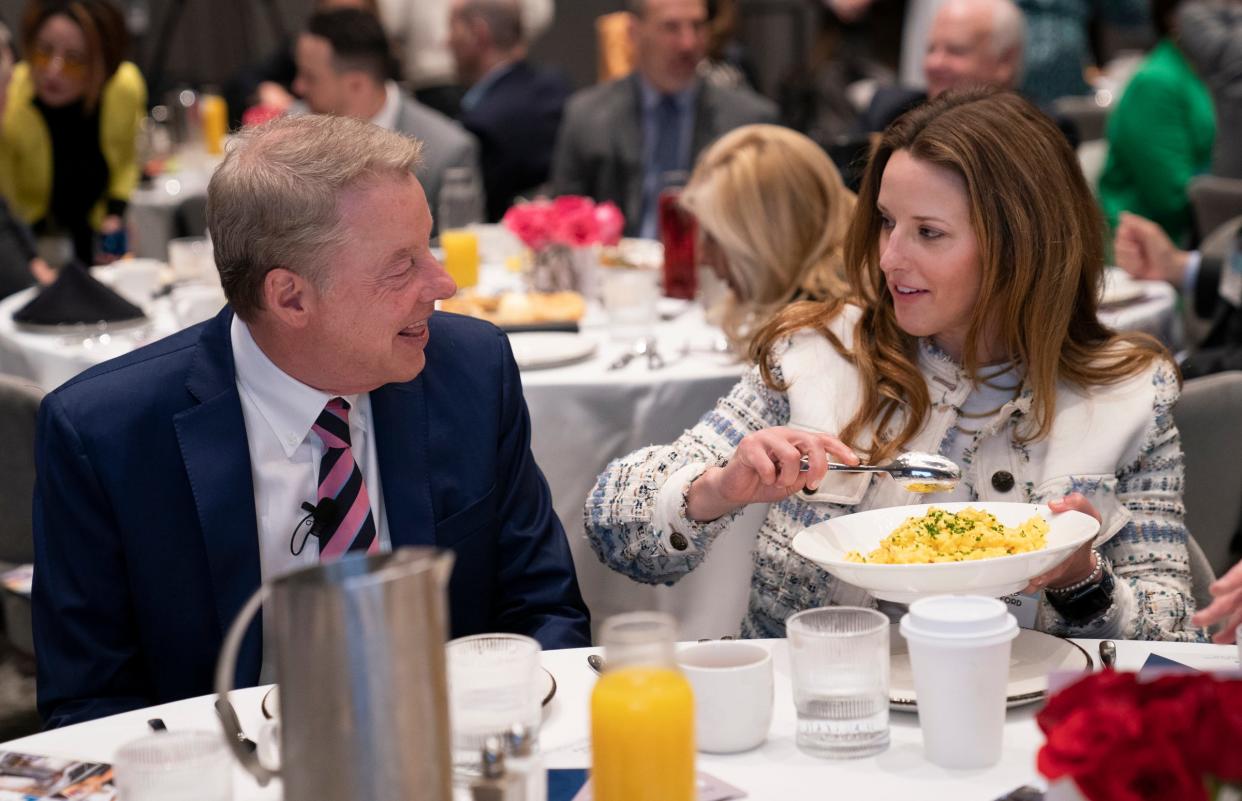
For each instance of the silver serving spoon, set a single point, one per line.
(916, 472)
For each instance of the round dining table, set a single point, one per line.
(775, 771)
(583, 415)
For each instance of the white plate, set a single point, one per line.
(539, 350)
(1033, 657)
(827, 543)
(270, 705)
(1119, 288)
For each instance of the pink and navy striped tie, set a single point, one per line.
(340, 479)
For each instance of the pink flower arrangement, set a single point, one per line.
(570, 220)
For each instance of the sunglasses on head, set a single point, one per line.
(72, 66)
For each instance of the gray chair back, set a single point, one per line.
(1088, 115)
(19, 405)
(1216, 201)
(1209, 416)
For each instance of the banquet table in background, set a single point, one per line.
(583, 415)
(776, 771)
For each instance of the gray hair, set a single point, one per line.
(1008, 28)
(273, 202)
(502, 17)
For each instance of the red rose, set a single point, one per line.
(1153, 770)
(530, 222)
(1218, 748)
(573, 221)
(610, 222)
(1090, 739)
(1088, 691)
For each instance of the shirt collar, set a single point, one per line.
(651, 97)
(387, 117)
(289, 406)
(475, 93)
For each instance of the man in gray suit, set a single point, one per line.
(620, 140)
(345, 68)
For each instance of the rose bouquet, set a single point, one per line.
(1177, 738)
(570, 221)
(563, 233)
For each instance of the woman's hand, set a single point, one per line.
(43, 272)
(1082, 563)
(764, 468)
(1226, 605)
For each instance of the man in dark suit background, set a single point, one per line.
(170, 480)
(513, 107)
(345, 67)
(620, 140)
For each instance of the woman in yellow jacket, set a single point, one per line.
(68, 142)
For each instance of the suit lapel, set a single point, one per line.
(214, 449)
(400, 415)
(630, 148)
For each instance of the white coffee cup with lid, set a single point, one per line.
(959, 652)
(732, 682)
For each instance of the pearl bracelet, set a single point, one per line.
(1097, 573)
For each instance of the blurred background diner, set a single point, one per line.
(630, 189)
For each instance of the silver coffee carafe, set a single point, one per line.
(359, 655)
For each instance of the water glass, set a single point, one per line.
(175, 766)
(191, 259)
(839, 661)
(629, 297)
(493, 684)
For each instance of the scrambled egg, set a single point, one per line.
(941, 536)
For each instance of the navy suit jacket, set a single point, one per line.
(146, 541)
(516, 121)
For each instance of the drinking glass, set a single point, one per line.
(461, 200)
(175, 766)
(839, 660)
(677, 233)
(629, 297)
(493, 684)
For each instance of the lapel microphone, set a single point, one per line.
(318, 516)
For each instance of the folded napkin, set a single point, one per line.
(76, 297)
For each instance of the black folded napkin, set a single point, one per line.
(76, 297)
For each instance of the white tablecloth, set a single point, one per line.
(776, 771)
(582, 416)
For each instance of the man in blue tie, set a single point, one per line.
(172, 481)
(625, 140)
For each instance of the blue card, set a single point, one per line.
(1162, 664)
(564, 784)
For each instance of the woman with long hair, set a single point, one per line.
(975, 258)
(68, 144)
(772, 216)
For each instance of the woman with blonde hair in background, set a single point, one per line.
(772, 214)
(975, 260)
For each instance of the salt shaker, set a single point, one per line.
(495, 784)
(526, 763)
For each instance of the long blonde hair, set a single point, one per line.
(1041, 246)
(775, 204)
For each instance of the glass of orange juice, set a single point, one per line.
(642, 714)
(461, 256)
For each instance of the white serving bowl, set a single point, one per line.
(827, 543)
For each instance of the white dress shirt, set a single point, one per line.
(279, 411)
(387, 116)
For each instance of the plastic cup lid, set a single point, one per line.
(958, 618)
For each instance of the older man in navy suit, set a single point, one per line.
(171, 481)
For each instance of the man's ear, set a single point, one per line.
(289, 297)
(1008, 66)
